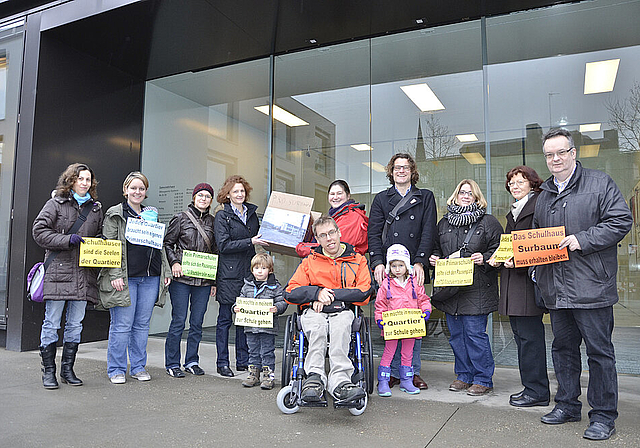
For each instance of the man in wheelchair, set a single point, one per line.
(326, 284)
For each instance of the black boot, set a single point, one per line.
(48, 355)
(67, 376)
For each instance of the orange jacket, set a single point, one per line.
(348, 276)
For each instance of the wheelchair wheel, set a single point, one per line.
(367, 355)
(360, 410)
(287, 358)
(284, 401)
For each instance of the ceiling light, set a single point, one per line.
(362, 147)
(593, 127)
(466, 138)
(375, 166)
(589, 151)
(282, 116)
(419, 21)
(600, 76)
(423, 97)
(313, 41)
(474, 158)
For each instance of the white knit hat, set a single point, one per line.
(400, 253)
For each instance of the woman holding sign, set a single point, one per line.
(517, 296)
(69, 215)
(236, 230)
(131, 291)
(191, 230)
(468, 309)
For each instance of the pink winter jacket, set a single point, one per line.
(400, 298)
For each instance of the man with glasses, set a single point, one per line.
(580, 293)
(327, 282)
(412, 224)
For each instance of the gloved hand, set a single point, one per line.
(426, 314)
(380, 324)
(75, 240)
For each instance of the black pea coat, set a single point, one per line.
(482, 296)
(235, 250)
(516, 287)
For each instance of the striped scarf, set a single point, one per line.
(459, 216)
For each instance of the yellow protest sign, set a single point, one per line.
(254, 313)
(538, 246)
(505, 250)
(99, 253)
(403, 323)
(454, 272)
(199, 264)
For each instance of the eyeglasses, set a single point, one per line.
(401, 168)
(562, 153)
(330, 233)
(465, 193)
(519, 183)
(204, 196)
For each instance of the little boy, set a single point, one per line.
(262, 284)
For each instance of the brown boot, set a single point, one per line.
(254, 377)
(267, 377)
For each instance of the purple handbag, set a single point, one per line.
(35, 282)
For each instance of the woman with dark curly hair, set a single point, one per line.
(66, 283)
(517, 295)
(236, 232)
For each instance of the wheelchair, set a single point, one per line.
(293, 354)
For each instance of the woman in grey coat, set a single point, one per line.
(65, 282)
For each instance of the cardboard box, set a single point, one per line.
(285, 222)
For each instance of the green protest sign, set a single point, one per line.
(199, 264)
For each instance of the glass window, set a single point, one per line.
(426, 93)
(203, 127)
(539, 66)
(11, 41)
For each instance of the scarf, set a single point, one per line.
(81, 199)
(334, 210)
(517, 206)
(459, 216)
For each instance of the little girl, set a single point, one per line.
(398, 290)
(262, 284)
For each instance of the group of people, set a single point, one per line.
(402, 238)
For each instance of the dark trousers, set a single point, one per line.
(528, 332)
(225, 319)
(594, 326)
(181, 294)
(262, 349)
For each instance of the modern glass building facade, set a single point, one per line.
(501, 78)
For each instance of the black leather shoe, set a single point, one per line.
(242, 368)
(225, 371)
(525, 401)
(558, 417)
(516, 396)
(599, 431)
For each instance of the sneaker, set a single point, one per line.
(348, 392)
(312, 388)
(142, 375)
(194, 370)
(175, 372)
(118, 379)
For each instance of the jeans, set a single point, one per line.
(53, 315)
(129, 328)
(337, 327)
(594, 326)
(528, 332)
(416, 362)
(225, 318)
(471, 349)
(262, 349)
(180, 293)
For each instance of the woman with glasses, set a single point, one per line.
(517, 298)
(468, 309)
(189, 230)
(236, 231)
(350, 217)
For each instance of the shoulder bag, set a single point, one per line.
(393, 213)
